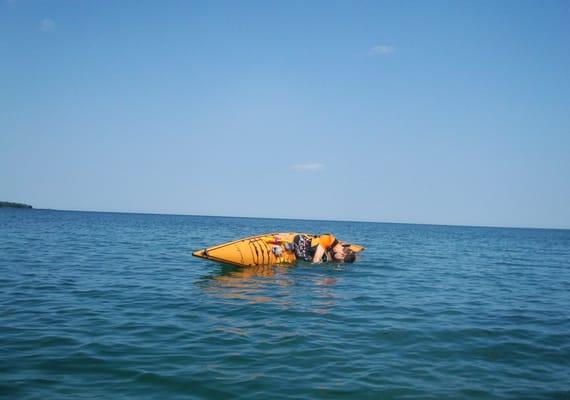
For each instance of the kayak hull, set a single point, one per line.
(266, 249)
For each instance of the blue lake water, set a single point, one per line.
(108, 305)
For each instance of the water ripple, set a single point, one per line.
(98, 305)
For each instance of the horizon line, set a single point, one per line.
(306, 219)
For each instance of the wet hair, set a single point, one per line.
(349, 257)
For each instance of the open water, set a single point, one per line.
(113, 306)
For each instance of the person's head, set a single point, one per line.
(343, 253)
(349, 256)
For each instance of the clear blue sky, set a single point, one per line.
(418, 111)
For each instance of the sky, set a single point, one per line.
(440, 112)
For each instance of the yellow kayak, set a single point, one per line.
(266, 249)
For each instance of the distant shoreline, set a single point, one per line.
(8, 204)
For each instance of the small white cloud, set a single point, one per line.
(309, 167)
(381, 50)
(47, 25)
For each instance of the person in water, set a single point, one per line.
(323, 248)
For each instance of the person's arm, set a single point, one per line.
(318, 257)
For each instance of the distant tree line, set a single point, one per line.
(7, 204)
